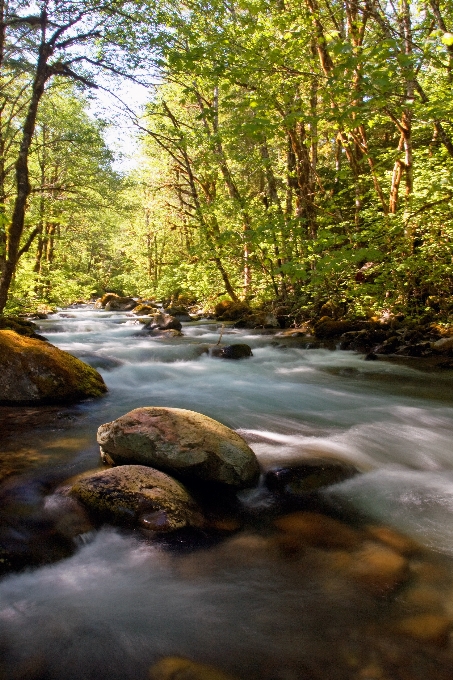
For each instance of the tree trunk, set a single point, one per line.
(16, 227)
(2, 145)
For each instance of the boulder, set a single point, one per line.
(328, 328)
(144, 310)
(389, 346)
(363, 340)
(239, 351)
(179, 312)
(120, 304)
(102, 301)
(32, 371)
(181, 442)
(138, 494)
(227, 310)
(175, 667)
(443, 346)
(312, 474)
(162, 322)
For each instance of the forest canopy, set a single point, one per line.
(295, 151)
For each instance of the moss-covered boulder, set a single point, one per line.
(227, 310)
(329, 328)
(138, 494)
(144, 310)
(32, 371)
(116, 303)
(181, 442)
(20, 326)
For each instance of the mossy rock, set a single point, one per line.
(227, 310)
(33, 372)
(142, 309)
(20, 326)
(138, 494)
(106, 298)
(120, 304)
(329, 328)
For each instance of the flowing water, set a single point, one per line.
(121, 601)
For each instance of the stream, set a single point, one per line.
(122, 601)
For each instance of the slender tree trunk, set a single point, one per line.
(273, 199)
(3, 218)
(16, 227)
(233, 191)
(40, 241)
(396, 180)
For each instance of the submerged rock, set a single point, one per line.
(393, 539)
(239, 351)
(431, 628)
(32, 371)
(180, 442)
(98, 360)
(177, 668)
(138, 494)
(312, 474)
(378, 568)
(317, 530)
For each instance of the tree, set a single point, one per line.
(73, 40)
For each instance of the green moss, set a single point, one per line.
(20, 326)
(57, 375)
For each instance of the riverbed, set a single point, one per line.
(121, 601)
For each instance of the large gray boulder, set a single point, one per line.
(138, 494)
(181, 442)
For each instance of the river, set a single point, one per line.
(120, 602)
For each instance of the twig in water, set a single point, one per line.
(221, 333)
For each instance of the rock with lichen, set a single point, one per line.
(187, 444)
(36, 372)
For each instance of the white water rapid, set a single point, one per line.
(120, 603)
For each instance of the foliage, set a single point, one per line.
(290, 150)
